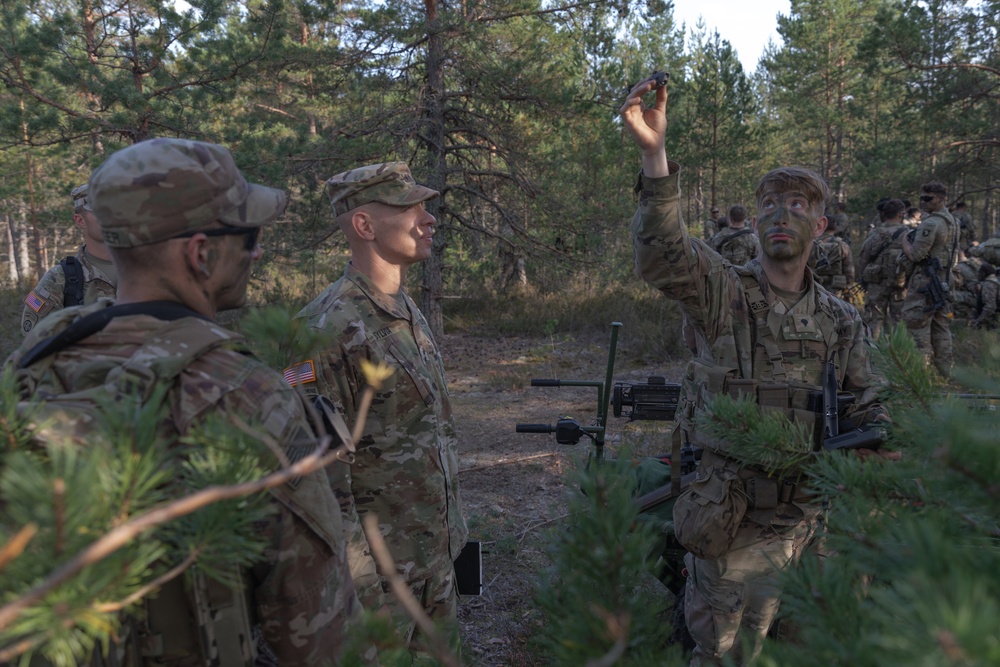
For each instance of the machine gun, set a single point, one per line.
(935, 290)
(652, 400)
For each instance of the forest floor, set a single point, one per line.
(512, 484)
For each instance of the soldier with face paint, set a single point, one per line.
(766, 331)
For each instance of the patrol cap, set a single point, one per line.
(388, 183)
(80, 198)
(154, 190)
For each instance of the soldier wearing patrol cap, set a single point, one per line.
(183, 227)
(405, 471)
(766, 332)
(80, 279)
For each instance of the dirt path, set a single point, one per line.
(512, 484)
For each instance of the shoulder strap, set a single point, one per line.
(90, 324)
(73, 285)
(895, 235)
(759, 309)
(722, 242)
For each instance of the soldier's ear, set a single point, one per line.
(196, 255)
(753, 224)
(821, 223)
(79, 221)
(363, 224)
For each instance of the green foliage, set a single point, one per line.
(759, 437)
(591, 599)
(72, 495)
(910, 572)
(278, 339)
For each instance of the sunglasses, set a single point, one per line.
(252, 234)
(928, 197)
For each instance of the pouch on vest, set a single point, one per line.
(708, 514)
(838, 281)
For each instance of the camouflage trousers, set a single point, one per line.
(883, 308)
(438, 597)
(931, 330)
(731, 602)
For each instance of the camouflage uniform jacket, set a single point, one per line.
(302, 592)
(988, 250)
(738, 246)
(730, 341)
(100, 280)
(406, 467)
(831, 262)
(937, 236)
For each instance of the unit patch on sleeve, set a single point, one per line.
(300, 373)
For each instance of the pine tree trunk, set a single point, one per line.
(13, 277)
(433, 114)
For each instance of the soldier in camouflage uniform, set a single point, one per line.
(989, 294)
(739, 243)
(967, 229)
(884, 284)
(99, 275)
(965, 290)
(183, 225)
(406, 468)
(765, 330)
(934, 253)
(831, 262)
(711, 226)
(988, 250)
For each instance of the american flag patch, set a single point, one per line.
(34, 301)
(300, 373)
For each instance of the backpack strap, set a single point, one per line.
(88, 325)
(734, 235)
(73, 285)
(759, 309)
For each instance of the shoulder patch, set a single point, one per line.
(34, 301)
(300, 373)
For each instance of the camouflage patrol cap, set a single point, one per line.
(157, 189)
(388, 183)
(80, 198)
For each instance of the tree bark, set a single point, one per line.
(433, 116)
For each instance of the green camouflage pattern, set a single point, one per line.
(81, 198)
(735, 598)
(405, 471)
(965, 289)
(388, 183)
(302, 595)
(156, 189)
(100, 281)
(832, 263)
(989, 293)
(736, 245)
(885, 283)
(937, 236)
(739, 593)
(967, 231)
(988, 250)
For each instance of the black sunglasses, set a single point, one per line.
(252, 234)
(928, 197)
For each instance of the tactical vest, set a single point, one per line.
(191, 620)
(780, 381)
